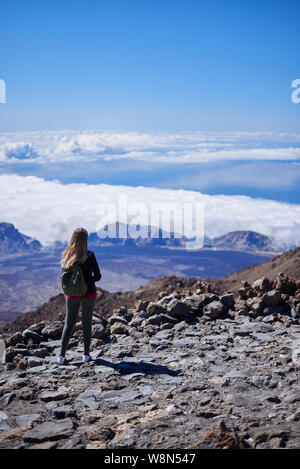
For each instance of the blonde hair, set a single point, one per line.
(76, 249)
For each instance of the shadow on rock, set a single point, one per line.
(127, 367)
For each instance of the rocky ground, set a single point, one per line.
(189, 369)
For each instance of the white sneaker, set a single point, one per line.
(61, 360)
(86, 358)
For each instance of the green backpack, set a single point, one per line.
(72, 281)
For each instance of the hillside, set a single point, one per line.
(36, 277)
(287, 263)
(106, 301)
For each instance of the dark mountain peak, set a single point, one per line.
(14, 242)
(240, 240)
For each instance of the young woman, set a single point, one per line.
(77, 250)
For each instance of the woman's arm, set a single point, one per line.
(95, 269)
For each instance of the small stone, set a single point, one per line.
(117, 319)
(47, 396)
(136, 322)
(219, 380)
(63, 412)
(7, 399)
(270, 318)
(26, 419)
(262, 434)
(34, 361)
(98, 331)
(50, 431)
(40, 352)
(295, 417)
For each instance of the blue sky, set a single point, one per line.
(221, 65)
(185, 95)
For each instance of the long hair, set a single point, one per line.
(77, 248)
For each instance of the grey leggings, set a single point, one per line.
(72, 307)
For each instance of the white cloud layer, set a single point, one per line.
(49, 210)
(162, 147)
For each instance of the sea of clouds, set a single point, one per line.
(50, 210)
(41, 202)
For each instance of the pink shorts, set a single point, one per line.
(88, 295)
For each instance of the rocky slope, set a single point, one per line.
(287, 263)
(186, 368)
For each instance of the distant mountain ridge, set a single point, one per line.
(14, 242)
(155, 236)
(245, 241)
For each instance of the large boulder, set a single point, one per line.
(263, 284)
(228, 300)
(177, 309)
(37, 327)
(214, 310)
(271, 298)
(207, 298)
(27, 335)
(53, 330)
(165, 300)
(154, 308)
(14, 339)
(9, 354)
(193, 302)
(155, 320)
(141, 305)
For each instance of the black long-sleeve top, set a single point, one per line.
(91, 272)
